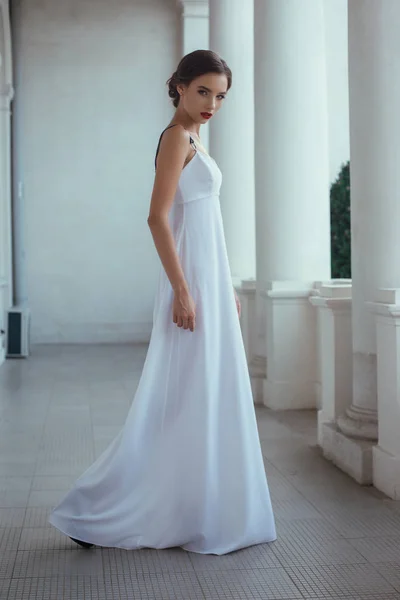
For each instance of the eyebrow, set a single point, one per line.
(208, 89)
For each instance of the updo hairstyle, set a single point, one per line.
(193, 65)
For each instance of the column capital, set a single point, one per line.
(246, 286)
(287, 290)
(333, 295)
(194, 8)
(386, 303)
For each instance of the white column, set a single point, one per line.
(232, 131)
(386, 455)
(194, 31)
(6, 94)
(292, 189)
(337, 72)
(333, 303)
(195, 36)
(374, 83)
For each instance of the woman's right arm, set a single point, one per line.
(170, 162)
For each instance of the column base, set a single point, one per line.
(359, 424)
(353, 456)
(386, 472)
(258, 369)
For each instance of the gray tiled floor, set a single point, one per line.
(60, 408)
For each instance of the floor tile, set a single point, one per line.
(12, 517)
(314, 528)
(74, 587)
(46, 563)
(15, 484)
(44, 538)
(354, 522)
(14, 499)
(37, 516)
(154, 586)
(260, 584)
(9, 539)
(338, 581)
(298, 552)
(4, 587)
(51, 482)
(45, 497)
(261, 556)
(391, 572)
(378, 549)
(63, 406)
(146, 561)
(7, 562)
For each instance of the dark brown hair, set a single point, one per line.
(193, 65)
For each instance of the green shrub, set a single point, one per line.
(340, 225)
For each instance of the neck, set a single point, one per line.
(182, 118)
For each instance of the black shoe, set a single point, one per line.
(84, 544)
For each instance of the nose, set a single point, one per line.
(211, 106)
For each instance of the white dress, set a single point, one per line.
(186, 469)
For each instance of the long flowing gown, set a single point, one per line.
(186, 469)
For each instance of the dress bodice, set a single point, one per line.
(200, 178)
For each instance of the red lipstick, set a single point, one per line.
(206, 115)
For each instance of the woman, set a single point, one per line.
(186, 469)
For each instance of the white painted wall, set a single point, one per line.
(92, 101)
(336, 38)
(6, 92)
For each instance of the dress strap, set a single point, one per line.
(191, 141)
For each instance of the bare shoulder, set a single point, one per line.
(175, 138)
(170, 160)
(174, 148)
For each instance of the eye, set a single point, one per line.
(202, 92)
(221, 97)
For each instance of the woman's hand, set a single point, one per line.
(184, 310)
(238, 305)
